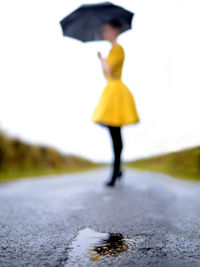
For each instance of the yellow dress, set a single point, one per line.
(116, 105)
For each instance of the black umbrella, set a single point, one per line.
(85, 22)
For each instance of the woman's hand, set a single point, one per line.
(99, 55)
(105, 66)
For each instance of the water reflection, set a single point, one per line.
(90, 245)
(111, 245)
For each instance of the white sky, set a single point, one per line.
(50, 84)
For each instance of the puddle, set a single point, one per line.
(91, 246)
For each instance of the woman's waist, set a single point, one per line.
(113, 78)
(109, 76)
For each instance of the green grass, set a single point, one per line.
(17, 175)
(183, 164)
(19, 159)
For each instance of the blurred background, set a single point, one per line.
(50, 84)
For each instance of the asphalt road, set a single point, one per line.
(45, 221)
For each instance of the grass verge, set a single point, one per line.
(184, 164)
(10, 176)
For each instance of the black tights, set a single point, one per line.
(115, 133)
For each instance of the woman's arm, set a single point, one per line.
(105, 66)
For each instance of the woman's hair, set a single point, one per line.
(115, 23)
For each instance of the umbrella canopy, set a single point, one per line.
(85, 22)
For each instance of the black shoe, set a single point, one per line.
(110, 183)
(114, 178)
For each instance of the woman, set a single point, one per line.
(116, 106)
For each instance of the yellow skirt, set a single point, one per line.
(116, 105)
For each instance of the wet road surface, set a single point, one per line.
(148, 219)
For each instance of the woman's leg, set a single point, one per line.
(115, 133)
